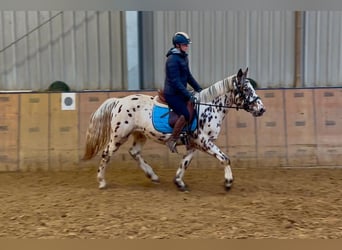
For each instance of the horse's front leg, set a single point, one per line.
(178, 180)
(214, 150)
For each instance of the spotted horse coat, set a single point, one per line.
(119, 118)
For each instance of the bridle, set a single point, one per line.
(237, 91)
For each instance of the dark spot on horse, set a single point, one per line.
(119, 109)
(133, 109)
(153, 134)
(118, 123)
(116, 129)
(201, 123)
(209, 133)
(118, 144)
(138, 106)
(130, 115)
(135, 98)
(126, 122)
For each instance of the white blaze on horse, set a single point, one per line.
(135, 115)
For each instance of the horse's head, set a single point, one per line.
(245, 95)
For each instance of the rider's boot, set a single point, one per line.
(177, 129)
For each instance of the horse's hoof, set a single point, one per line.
(228, 184)
(184, 188)
(102, 185)
(157, 181)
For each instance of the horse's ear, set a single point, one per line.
(246, 71)
(239, 74)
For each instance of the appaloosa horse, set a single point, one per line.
(135, 115)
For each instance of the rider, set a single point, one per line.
(177, 77)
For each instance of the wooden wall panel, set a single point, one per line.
(34, 131)
(300, 127)
(9, 112)
(329, 155)
(64, 132)
(271, 138)
(241, 138)
(328, 103)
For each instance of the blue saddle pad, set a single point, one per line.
(160, 120)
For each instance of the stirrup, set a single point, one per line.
(172, 146)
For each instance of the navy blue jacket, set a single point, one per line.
(178, 75)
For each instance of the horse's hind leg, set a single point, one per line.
(138, 143)
(112, 147)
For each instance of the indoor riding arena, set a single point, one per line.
(286, 167)
(58, 67)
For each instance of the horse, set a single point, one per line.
(117, 119)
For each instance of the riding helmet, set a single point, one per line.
(181, 38)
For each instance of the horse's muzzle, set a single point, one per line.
(259, 112)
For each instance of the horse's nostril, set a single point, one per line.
(262, 110)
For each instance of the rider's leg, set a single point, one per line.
(177, 129)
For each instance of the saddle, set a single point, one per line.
(173, 117)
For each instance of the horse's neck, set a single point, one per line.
(218, 90)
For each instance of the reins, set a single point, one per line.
(219, 106)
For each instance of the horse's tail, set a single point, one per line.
(99, 129)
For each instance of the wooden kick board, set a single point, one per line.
(34, 131)
(328, 103)
(9, 108)
(300, 128)
(241, 138)
(63, 135)
(270, 130)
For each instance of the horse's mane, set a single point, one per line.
(217, 89)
